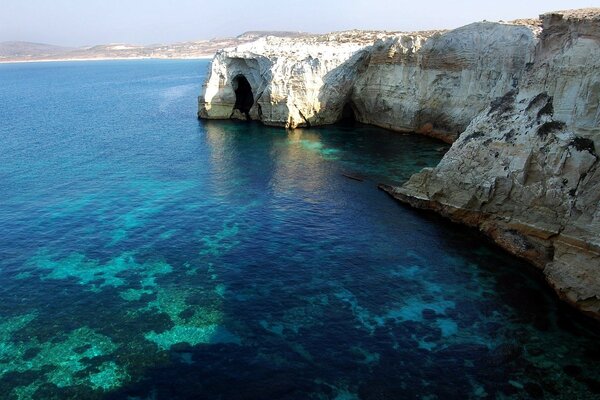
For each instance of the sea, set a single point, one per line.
(145, 254)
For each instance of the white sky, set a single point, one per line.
(85, 22)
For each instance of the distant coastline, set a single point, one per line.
(15, 51)
(206, 57)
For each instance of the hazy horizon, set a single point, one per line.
(73, 23)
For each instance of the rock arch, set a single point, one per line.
(244, 98)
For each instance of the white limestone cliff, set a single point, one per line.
(439, 85)
(295, 81)
(523, 96)
(434, 82)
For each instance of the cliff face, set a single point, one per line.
(525, 171)
(524, 99)
(439, 85)
(432, 82)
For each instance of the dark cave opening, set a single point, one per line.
(348, 115)
(244, 99)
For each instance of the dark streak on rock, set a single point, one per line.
(504, 104)
(473, 135)
(583, 144)
(548, 109)
(549, 127)
(537, 101)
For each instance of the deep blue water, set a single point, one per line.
(147, 255)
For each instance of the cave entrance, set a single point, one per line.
(244, 99)
(348, 115)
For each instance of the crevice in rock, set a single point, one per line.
(590, 172)
(303, 117)
(258, 106)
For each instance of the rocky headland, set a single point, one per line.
(520, 101)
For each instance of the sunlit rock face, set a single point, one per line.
(294, 81)
(522, 98)
(433, 82)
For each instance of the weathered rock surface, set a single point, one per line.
(439, 85)
(525, 96)
(525, 171)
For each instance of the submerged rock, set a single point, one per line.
(519, 100)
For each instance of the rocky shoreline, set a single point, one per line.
(520, 101)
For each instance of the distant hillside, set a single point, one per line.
(258, 34)
(25, 51)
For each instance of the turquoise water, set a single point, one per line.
(147, 255)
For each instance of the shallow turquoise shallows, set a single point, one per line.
(147, 255)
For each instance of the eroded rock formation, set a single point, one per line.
(523, 96)
(295, 82)
(525, 171)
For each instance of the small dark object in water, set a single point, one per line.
(572, 370)
(534, 390)
(356, 178)
(428, 314)
(386, 188)
(535, 351)
(504, 354)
